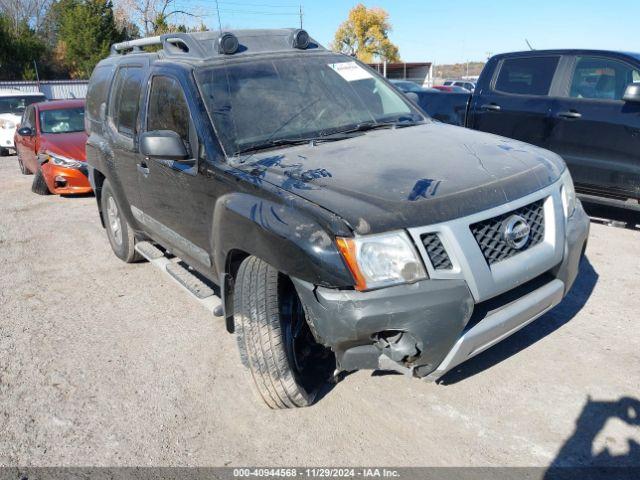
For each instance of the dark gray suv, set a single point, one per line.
(331, 223)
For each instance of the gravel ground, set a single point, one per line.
(108, 364)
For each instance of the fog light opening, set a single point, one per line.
(59, 181)
(399, 346)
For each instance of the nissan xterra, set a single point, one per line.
(340, 227)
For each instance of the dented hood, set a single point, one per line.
(407, 177)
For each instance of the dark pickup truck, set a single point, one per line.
(581, 104)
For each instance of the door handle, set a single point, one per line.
(492, 107)
(142, 168)
(570, 114)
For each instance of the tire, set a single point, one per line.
(119, 232)
(23, 169)
(288, 367)
(4, 152)
(39, 186)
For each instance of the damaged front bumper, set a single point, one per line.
(427, 328)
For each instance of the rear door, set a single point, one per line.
(595, 131)
(121, 127)
(518, 102)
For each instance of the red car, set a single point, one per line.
(451, 89)
(50, 142)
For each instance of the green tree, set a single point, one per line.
(20, 48)
(365, 35)
(85, 31)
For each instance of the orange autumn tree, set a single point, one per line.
(365, 35)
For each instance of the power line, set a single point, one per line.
(258, 4)
(252, 13)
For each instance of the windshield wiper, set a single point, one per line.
(366, 126)
(278, 142)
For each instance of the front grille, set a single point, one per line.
(437, 254)
(489, 235)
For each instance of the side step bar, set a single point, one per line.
(202, 292)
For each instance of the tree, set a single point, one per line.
(20, 48)
(153, 16)
(24, 12)
(85, 31)
(365, 35)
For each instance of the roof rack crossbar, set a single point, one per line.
(134, 44)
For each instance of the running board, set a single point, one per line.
(202, 292)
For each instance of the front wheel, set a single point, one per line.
(39, 185)
(288, 367)
(120, 234)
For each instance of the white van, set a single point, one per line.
(12, 105)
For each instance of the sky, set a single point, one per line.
(450, 31)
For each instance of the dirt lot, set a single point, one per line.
(103, 363)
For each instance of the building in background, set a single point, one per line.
(53, 90)
(417, 72)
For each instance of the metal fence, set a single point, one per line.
(53, 90)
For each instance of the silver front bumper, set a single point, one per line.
(496, 327)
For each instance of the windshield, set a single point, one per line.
(66, 120)
(262, 101)
(17, 105)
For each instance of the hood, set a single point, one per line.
(69, 145)
(408, 177)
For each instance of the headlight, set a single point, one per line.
(381, 260)
(568, 192)
(7, 124)
(61, 161)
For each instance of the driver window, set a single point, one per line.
(601, 78)
(168, 109)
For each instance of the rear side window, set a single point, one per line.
(125, 99)
(527, 76)
(168, 108)
(97, 91)
(601, 78)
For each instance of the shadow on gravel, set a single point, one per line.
(79, 195)
(548, 323)
(604, 444)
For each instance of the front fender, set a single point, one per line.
(282, 234)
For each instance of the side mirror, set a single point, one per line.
(632, 93)
(25, 132)
(163, 144)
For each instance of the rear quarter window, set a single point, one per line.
(125, 99)
(527, 75)
(97, 91)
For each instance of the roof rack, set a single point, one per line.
(135, 45)
(172, 44)
(209, 44)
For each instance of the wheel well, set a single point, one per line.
(234, 259)
(98, 179)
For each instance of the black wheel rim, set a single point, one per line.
(312, 363)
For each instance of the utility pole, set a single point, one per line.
(35, 65)
(300, 16)
(218, 15)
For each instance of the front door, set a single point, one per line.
(595, 131)
(177, 198)
(27, 146)
(518, 103)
